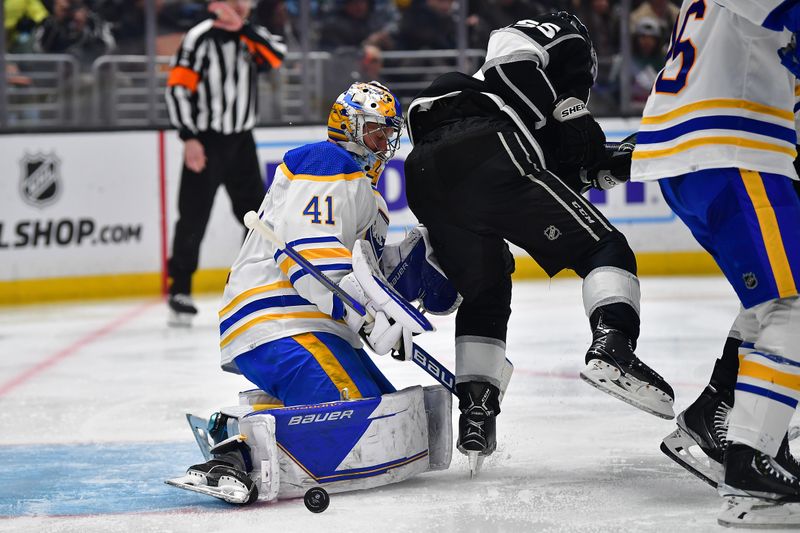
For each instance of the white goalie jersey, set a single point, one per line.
(320, 203)
(723, 99)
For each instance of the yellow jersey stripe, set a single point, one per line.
(752, 369)
(251, 292)
(329, 363)
(797, 90)
(694, 143)
(265, 318)
(729, 103)
(770, 232)
(309, 177)
(314, 253)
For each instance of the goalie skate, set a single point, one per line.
(220, 480)
(612, 367)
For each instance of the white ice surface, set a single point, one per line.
(569, 458)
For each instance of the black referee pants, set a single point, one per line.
(232, 161)
(474, 193)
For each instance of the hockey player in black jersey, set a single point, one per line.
(503, 156)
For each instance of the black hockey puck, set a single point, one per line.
(316, 499)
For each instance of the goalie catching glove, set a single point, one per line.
(614, 168)
(414, 272)
(391, 319)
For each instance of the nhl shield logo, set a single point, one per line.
(552, 233)
(750, 280)
(40, 182)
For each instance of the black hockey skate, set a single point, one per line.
(703, 424)
(181, 310)
(759, 490)
(612, 367)
(479, 404)
(225, 476)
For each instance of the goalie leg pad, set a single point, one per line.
(439, 411)
(346, 445)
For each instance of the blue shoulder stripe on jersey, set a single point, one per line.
(747, 345)
(320, 159)
(796, 107)
(336, 266)
(776, 358)
(307, 240)
(777, 18)
(258, 305)
(724, 122)
(772, 395)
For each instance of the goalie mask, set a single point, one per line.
(367, 120)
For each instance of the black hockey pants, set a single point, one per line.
(474, 192)
(232, 161)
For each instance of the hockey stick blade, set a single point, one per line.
(253, 222)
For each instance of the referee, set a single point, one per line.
(211, 97)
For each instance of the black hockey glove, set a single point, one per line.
(613, 169)
(581, 139)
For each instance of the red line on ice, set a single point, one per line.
(72, 349)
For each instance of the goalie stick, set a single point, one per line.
(421, 358)
(254, 222)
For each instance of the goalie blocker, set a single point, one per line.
(267, 452)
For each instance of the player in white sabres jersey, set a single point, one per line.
(277, 321)
(323, 414)
(719, 134)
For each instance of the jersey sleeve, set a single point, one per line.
(772, 14)
(514, 70)
(321, 219)
(184, 77)
(266, 48)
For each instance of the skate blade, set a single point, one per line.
(475, 463)
(630, 390)
(682, 449)
(738, 511)
(227, 492)
(179, 320)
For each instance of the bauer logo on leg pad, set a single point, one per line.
(321, 417)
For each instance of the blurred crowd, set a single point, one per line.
(358, 29)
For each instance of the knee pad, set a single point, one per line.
(609, 285)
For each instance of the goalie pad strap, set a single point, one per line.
(609, 285)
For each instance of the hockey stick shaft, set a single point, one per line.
(420, 357)
(254, 222)
(438, 371)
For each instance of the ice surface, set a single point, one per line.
(92, 397)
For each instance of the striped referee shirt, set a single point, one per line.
(212, 84)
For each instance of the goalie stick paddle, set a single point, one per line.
(254, 222)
